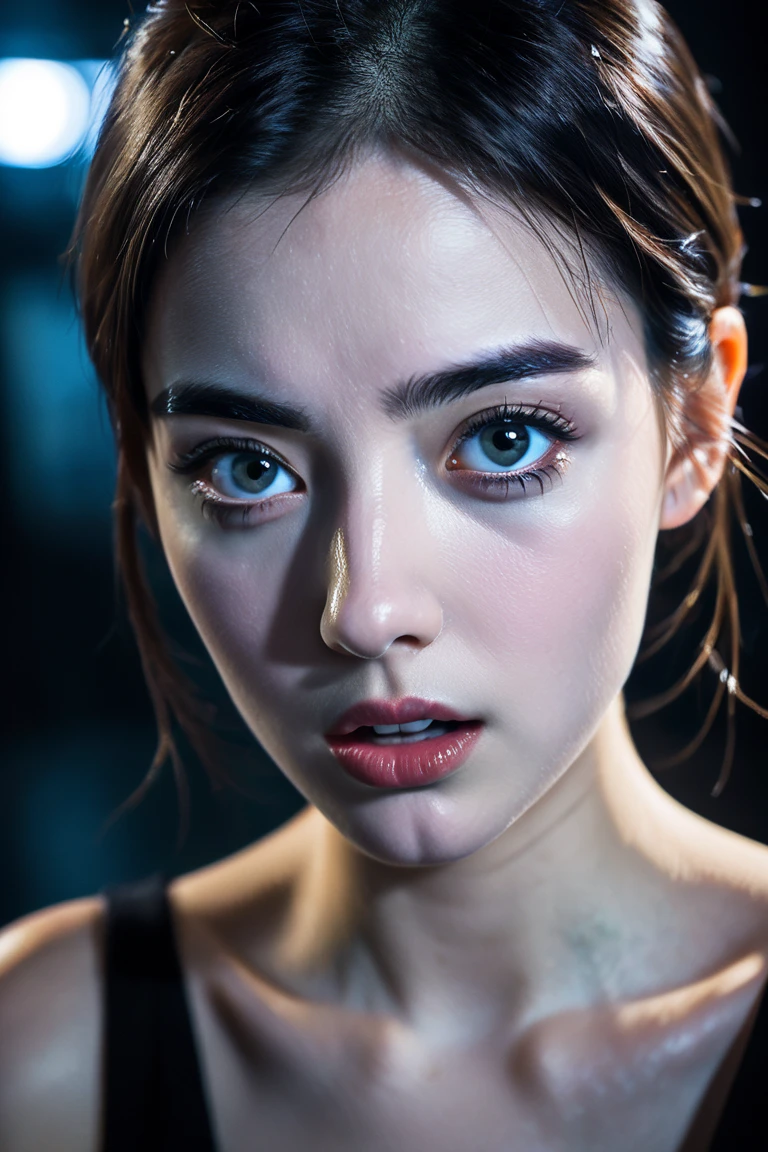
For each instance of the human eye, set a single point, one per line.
(509, 445)
(238, 481)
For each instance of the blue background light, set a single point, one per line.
(45, 111)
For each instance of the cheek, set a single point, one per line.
(242, 592)
(552, 600)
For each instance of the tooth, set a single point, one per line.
(385, 729)
(415, 726)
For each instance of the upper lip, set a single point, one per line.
(403, 711)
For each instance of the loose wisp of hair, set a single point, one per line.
(590, 115)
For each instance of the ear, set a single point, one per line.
(694, 469)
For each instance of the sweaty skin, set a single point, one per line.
(543, 948)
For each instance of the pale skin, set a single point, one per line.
(540, 950)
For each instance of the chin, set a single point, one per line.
(429, 826)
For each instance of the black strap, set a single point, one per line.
(154, 1099)
(743, 1124)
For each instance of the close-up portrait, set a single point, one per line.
(386, 576)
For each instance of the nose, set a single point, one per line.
(379, 591)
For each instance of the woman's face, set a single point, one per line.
(483, 541)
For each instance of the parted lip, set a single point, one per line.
(409, 708)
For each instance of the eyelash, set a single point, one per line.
(213, 506)
(497, 483)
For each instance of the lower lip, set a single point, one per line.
(405, 765)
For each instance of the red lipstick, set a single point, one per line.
(402, 760)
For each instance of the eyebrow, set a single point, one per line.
(503, 365)
(197, 399)
(407, 399)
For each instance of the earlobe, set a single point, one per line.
(696, 467)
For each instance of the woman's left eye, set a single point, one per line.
(501, 446)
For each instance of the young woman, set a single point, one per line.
(418, 324)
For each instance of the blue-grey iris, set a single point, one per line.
(505, 444)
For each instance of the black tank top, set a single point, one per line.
(154, 1096)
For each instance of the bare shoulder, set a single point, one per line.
(731, 872)
(50, 1029)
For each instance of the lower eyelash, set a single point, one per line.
(499, 482)
(213, 507)
(240, 513)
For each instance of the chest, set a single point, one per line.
(335, 1088)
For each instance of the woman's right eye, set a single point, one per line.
(246, 475)
(235, 479)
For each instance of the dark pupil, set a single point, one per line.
(253, 473)
(505, 443)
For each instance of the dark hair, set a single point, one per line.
(589, 114)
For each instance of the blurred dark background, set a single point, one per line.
(78, 732)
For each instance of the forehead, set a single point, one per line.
(375, 277)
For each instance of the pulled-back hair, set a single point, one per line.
(588, 114)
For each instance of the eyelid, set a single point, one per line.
(187, 463)
(536, 416)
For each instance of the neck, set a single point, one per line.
(538, 919)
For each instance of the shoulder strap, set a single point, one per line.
(153, 1091)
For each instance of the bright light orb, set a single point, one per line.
(44, 112)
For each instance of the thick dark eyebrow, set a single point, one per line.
(503, 365)
(197, 399)
(404, 400)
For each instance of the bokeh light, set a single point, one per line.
(45, 110)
